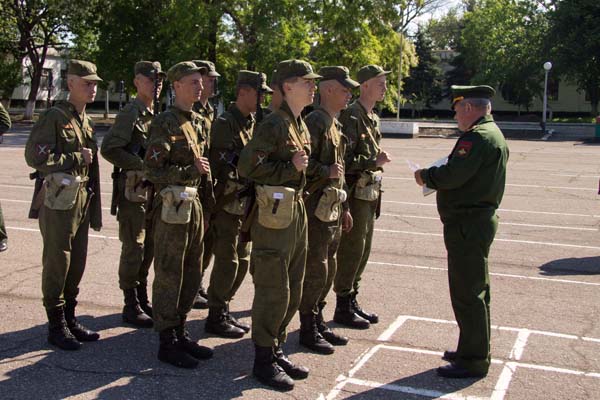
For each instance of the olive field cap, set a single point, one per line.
(295, 69)
(471, 92)
(209, 65)
(253, 79)
(84, 69)
(184, 68)
(149, 68)
(340, 74)
(369, 72)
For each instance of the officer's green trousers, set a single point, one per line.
(355, 247)
(2, 226)
(177, 259)
(137, 244)
(65, 236)
(468, 244)
(232, 259)
(277, 267)
(321, 261)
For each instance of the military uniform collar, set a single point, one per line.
(483, 120)
(329, 118)
(285, 108)
(185, 113)
(142, 107)
(71, 108)
(363, 111)
(239, 117)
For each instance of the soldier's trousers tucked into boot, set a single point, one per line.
(268, 372)
(58, 333)
(132, 312)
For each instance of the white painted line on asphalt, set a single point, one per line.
(576, 246)
(558, 370)
(501, 223)
(500, 209)
(387, 334)
(519, 347)
(575, 176)
(534, 278)
(343, 380)
(408, 390)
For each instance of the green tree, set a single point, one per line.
(424, 84)
(575, 36)
(502, 43)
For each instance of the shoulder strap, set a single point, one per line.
(189, 133)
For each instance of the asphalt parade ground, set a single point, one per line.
(545, 280)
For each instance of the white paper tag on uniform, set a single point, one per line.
(184, 195)
(278, 196)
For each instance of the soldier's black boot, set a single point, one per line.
(218, 324)
(132, 312)
(170, 352)
(310, 336)
(236, 322)
(345, 315)
(191, 347)
(201, 300)
(293, 370)
(327, 333)
(371, 317)
(80, 332)
(142, 294)
(58, 333)
(268, 372)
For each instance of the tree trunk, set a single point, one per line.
(31, 98)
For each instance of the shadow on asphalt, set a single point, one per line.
(424, 385)
(572, 266)
(125, 364)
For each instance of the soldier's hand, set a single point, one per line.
(347, 221)
(382, 158)
(202, 165)
(87, 155)
(418, 178)
(336, 171)
(300, 160)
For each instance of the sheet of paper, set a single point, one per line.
(442, 161)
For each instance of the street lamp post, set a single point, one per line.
(547, 68)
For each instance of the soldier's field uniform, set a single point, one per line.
(175, 142)
(324, 210)
(5, 124)
(469, 190)
(364, 180)
(125, 146)
(279, 232)
(230, 133)
(208, 114)
(71, 204)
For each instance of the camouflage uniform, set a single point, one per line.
(5, 124)
(55, 145)
(470, 188)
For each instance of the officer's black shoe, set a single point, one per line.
(268, 372)
(345, 315)
(170, 352)
(327, 333)
(454, 371)
(142, 294)
(80, 332)
(449, 355)
(310, 336)
(3, 245)
(191, 347)
(59, 334)
(218, 324)
(201, 300)
(293, 370)
(236, 322)
(132, 312)
(371, 317)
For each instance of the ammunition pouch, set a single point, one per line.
(276, 206)
(135, 189)
(61, 190)
(330, 204)
(368, 186)
(236, 204)
(177, 204)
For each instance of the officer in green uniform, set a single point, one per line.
(209, 114)
(125, 147)
(62, 148)
(364, 161)
(326, 195)
(276, 159)
(5, 124)
(174, 163)
(230, 133)
(469, 190)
